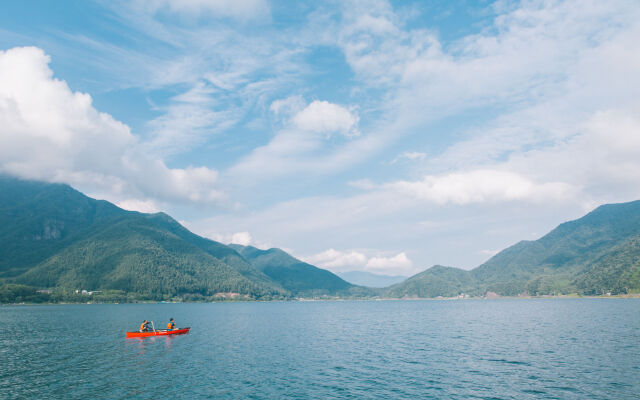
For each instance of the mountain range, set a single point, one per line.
(596, 254)
(52, 236)
(55, 241)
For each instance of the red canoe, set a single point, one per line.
(162, 332)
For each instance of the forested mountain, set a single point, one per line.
(52, 236)
(292, 274)
(435, 281)
(595, 254)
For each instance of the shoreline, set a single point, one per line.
(567, 297)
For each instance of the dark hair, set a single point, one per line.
(170, 319)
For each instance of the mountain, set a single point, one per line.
(52, 236)
(292, 274)
(433, 282)
(618, 271)
(369, 279)
(595, 254)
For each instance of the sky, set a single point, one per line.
(380, 136)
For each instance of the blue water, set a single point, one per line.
(491, 349)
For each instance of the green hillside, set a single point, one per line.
(218, 250)
(135, 255)
(39, 219)
(292, 274)
(53, 236)
(435, 281)
(595, 254)
(618, 271)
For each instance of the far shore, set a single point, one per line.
(302, 299)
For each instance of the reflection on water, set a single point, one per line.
(569, 349)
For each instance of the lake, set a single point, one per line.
(484, 349)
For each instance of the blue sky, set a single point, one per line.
(377, 136)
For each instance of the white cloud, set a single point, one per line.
(535, 51)
(410, 155)
(242, 10)
(54, 134)
(342, 261)
(480, 186)
(295, 147)
(399, 264)
(145, 206)
(325, 117)
(287, 107)
(189, 120)
(338, 260)
(243, 238)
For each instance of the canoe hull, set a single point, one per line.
(163, 332)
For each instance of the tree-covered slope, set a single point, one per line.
(618, 271)
(294, 275)
(38, 219)
(433, 282)
(136, 256)
(54, 236)
(218, 250)
(595, 254)
(552, 263)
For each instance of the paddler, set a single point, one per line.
(144, 327)
(171, 325)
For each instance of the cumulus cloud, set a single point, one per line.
(305, 132)
(325, 117)
(54, 134)
(342, 261)
(481, 186)
(399, 264)
(338, 260)
(243, 238)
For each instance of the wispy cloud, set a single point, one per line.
(244, 11)
(409, 155)
(294, 147)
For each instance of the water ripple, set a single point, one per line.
(547, 349)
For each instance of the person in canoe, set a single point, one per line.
(171, 325)
(144, 327)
